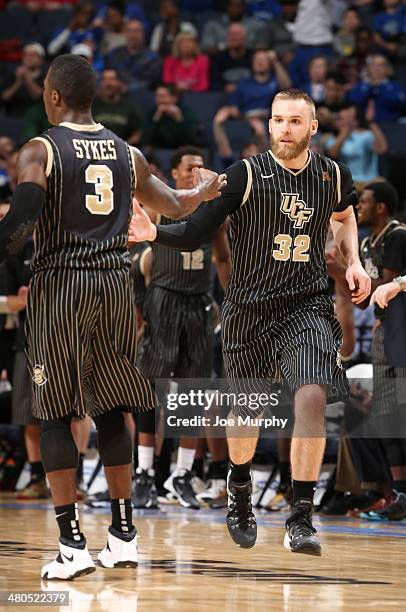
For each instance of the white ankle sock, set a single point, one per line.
(146, 457)
(186, 456)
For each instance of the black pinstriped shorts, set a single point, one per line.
(300, 345)
(21, 399)
(178, 336)
(389, 381)
(81, 338)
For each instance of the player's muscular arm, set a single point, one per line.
(202, 225)
(174, 203)
(345, 231)
(28, 198)
(222, 255)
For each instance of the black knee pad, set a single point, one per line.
(58, 448)
(113, 439)
(146, 422)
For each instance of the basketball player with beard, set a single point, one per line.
(277, 317)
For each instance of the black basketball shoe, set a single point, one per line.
(300, 534)
(241, 521)
(179, 484)
(144, 494)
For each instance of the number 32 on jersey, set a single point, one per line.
(295, 249)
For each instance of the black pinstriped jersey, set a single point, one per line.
(91, 180)
(279, 223)
(181, 271)
(386, 250)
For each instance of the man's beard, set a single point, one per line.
(287, 152)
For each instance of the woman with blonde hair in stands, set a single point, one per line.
(187, 68)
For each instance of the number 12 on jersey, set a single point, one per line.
(193, 260)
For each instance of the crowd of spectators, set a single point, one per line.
(204, 72)
(240, 52)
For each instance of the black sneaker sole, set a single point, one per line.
(240, 539)
(83, 572)
(305, 549)
(126, 564)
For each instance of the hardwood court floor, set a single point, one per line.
(188, 563)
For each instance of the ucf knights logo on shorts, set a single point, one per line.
(296, 209)
(39, 376)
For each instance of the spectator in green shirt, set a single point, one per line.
(115, 109)
(170, 125)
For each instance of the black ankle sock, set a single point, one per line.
(218, 470)
(122, 515)
(198, 468)
(37, 470)
(399, 486)
(303, 489)
(68, 521)
(240, 472)
(284, 470)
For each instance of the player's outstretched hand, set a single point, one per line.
(141, 228)
(210, 183)
(384, 294)
(359, 283)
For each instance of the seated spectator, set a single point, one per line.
(113, 24)
(279, 31)
(344, 39)
(357, 146)
(389, 27)
(138, 66)
(186, 68)
(115, 110)
(79, 29)
(224, 150)
(25, 86)
(170, 125)
(10, 168)
(86, 50)
(7, 148)
(264, 10)
(34, 121)
(354, 66)
(214, 34)
(164, 33)
(45, 5)
(233, 64)
(313, 35)
(334, 101)
(253, 96)
(387, 95)
(315, 86)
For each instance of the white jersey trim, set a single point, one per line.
(249, 181)
(92, 127)
(338, 172)
(50, 154)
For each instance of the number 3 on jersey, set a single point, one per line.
(299, 253)
(102, 178)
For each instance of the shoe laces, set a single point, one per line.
(300, 523)
(240, 507)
